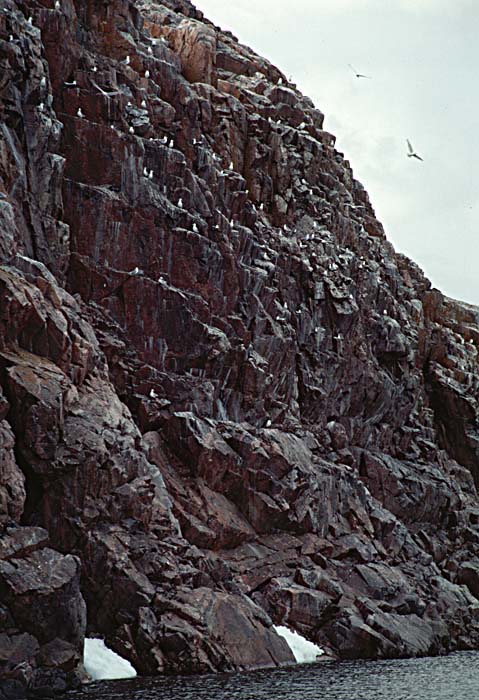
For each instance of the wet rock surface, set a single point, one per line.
(225, 400)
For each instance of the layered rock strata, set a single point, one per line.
(225, 400)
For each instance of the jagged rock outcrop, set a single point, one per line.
(225, 401)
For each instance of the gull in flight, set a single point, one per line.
(359, 75)
(411, 153)
(104, 92)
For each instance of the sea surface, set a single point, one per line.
(454, 677)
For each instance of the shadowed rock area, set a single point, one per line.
(226, 402)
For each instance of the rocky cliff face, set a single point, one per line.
(225, 400)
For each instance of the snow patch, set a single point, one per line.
(104, 664)
(304, 651)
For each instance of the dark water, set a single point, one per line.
(454, 677)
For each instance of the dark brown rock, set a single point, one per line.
(224, 398)
(12, 480)
(468, 575)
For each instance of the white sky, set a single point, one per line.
(423, 56)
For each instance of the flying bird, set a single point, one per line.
(107, 94)
(412, 153)
(359, 75)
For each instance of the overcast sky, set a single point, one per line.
(423, 56)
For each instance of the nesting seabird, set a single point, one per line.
(147, 74)
(359, 75)
(127, 60)
(143, 103)
(131, 130)
(411, 152)
(150, 175)
(43, 82)
(79, 112)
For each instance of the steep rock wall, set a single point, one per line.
(225, 400)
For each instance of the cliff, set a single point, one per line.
(225, 400)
